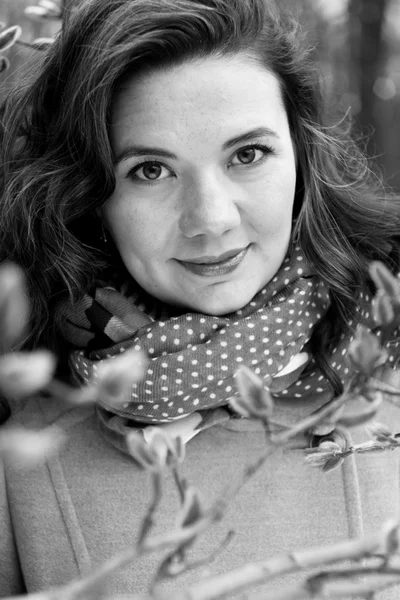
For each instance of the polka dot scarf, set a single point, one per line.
(193, 357)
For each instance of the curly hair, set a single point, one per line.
(57, 163)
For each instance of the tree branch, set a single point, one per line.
(265, 571)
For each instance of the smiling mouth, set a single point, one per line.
(208, 260)
(215, 269)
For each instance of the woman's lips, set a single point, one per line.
(216, 269)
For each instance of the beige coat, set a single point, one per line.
(62, 519)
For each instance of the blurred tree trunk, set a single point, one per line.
(366, 18)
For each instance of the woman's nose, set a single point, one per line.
(210, 207)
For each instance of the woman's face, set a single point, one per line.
(204, 166)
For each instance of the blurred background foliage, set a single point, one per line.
(357, 44)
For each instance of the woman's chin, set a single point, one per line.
(221, 304)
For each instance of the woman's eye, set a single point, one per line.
(149, 171)
(251, 155)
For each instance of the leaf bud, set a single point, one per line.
(365, 352)
(115, 377)
(51, 6)
(380, 432)
(40, 13)
(191, 509)
(327, 456)
(382, 309)
(385, 280)
(141, 451)
(170, 449)
(4, 64)
(25, 373)
(14, 306)
(255, 400)
(42, 43)
(9, 36)
(28, 448)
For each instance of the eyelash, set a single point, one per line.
(266, 150)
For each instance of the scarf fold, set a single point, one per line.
(193, 357)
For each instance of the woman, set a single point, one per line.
(169, 185)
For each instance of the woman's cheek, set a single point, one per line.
(271, 218)
(151, 234)
(277, 206)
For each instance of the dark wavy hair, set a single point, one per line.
(57, 164)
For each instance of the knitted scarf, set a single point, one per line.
(193, 357)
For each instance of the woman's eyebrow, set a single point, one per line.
(249, 136)
(136, 151)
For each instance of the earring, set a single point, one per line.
(103, 236)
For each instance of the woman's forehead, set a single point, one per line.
(211, 96)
